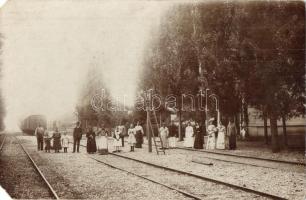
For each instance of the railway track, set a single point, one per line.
(51, 191)
(244, 156)
(174, 174)
(2, 143)
(245, 160)
(187, 194)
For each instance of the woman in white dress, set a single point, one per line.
(221, 137)
(131, 139)
(164, 132)
(101, 140)
(211, 131)
(189, 133)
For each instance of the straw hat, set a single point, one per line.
(211, 119)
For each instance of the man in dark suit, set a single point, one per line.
(77, 136)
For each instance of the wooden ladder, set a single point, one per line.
(152, 114)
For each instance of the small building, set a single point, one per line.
(295, 127)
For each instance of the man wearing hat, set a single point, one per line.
(77, 136)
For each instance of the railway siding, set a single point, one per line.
(201, 188)
(18, 179)
(95, 181)
(287, 184)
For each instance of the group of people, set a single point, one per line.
(56, 140)
(97, 138)
(45, 137)
(217, 137)
(221, 138)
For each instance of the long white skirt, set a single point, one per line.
(188, 141)
(101, 142)
(164, 140)
(220, 141)
(117, 143)
(172, 142)
(211, 142)
(131, 140)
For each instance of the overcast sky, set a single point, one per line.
(49, 44)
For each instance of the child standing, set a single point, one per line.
(117, 140)
(131, 139)
(56, 140)
(65, 141)
(47, 140)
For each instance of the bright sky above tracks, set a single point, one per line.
(49, 45)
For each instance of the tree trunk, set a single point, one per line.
(180, 126)
(237, 123)
(274, 133)
(284, 130)
(246, 118)
(149, 133)
(266, 127)
(204, 122)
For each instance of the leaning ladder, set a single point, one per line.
(152, 131)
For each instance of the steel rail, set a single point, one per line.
(230, 161)
(38, 170)
(244, 156)
(148, 179)
(151, 180)
(2, 143)
(264, 194)
(203, 178)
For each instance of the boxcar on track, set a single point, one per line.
(29, 124)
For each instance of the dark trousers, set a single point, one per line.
(40, 144)
(122, 140)
(76, 143)
(232, 142)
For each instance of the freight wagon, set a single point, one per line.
(29, 124)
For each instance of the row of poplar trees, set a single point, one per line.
(91, 108)
(252, 54)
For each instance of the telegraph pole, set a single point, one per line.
(147, 100)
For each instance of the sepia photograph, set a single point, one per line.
(152, 99)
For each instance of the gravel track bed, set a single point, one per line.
(258, 150)
(18, 176)
(201, 188)
(282, 183)
(247, 161)
(94, 180)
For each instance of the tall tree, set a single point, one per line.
(253, 54)
(170, 66)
